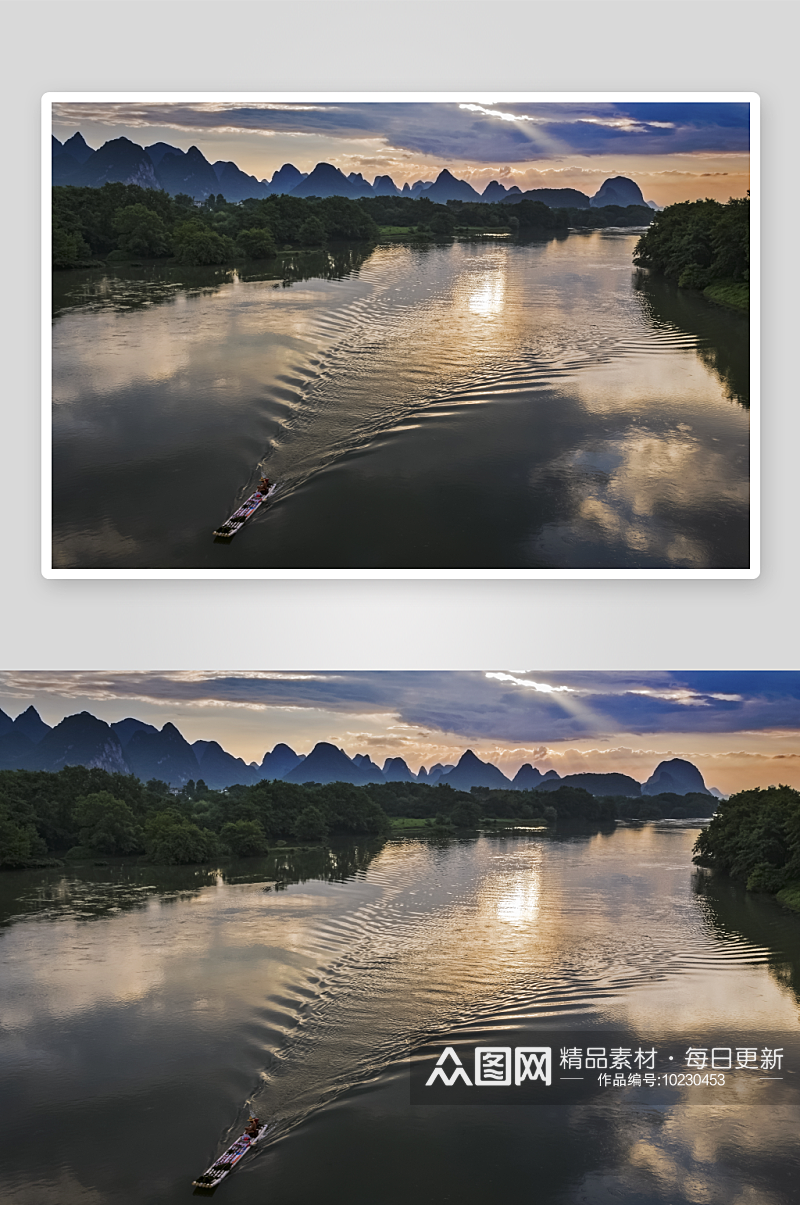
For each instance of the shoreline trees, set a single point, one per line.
(702, 245)
(122, 221)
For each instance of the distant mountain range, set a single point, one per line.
(176, 171)
(132, 747)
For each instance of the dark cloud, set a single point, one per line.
(479, 132)
(511, 706)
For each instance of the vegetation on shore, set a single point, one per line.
(78, 813)
(419, 803)
(120, 222)
(730, 295)
(702, 245)
(755, 838)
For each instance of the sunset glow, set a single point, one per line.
(740, 729)
(675, 151)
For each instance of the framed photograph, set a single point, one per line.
(290, 925)
(400, 335)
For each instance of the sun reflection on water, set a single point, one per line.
(519, 905)
(488, 299)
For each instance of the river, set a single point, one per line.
(145, 1012)
(485, 404)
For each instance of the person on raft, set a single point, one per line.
(252, 1129)
(263, 485)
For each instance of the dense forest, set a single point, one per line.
(80, 813)
(123, 222)
(755, 838)
(702, 245)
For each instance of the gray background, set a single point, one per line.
(397, 46)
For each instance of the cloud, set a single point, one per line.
(475, 132)
(522, 708)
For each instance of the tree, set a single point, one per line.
(196, 244)
(19, 843)
(171, 839)
(107, 824)
(312, 232)
(443, 222)
(141, 231)
(310, 825)
(244, 838)
(256, 242)
(465, 814)
(69, 247)
(698, 242)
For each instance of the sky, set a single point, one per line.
(675, 151)
(741, 729)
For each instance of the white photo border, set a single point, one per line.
(750, 98)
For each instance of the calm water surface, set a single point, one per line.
(145, 1011)
(476, 405)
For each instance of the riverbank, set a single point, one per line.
(730, 295)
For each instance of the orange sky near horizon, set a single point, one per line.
(729, 761)
(663, 178)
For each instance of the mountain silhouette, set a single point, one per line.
(595, 784)
(161, 165)
(472, 772)
(119, 161)
(79, 740)
(527, 778)
(190, 173)
(236, 185)
(618, 190)
(131, 746)
(396, 770)
(326, 763)
(126, 728)
(286, 178)
(555, 198)
(447, 188)
(31, 725)
(165, 755)
(77, 148)
(326, 181)
(279, 762)
(219, 769)
(157, 151)
(678, 776)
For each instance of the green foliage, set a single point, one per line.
(465, 814)
(730, 295)
(444, 222)
(141, 231)
(256, 242)
(790, 897)
(533, 215)
(107, 825)
(19, 843)
(312, 232)
(175, 841)
(310, 825)
(244, 838)
(118, 221)
(699, 242)
(91, 212)
(196, 243)
(603, 216)
(121, 220)
(755, 837)
(69, 248)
